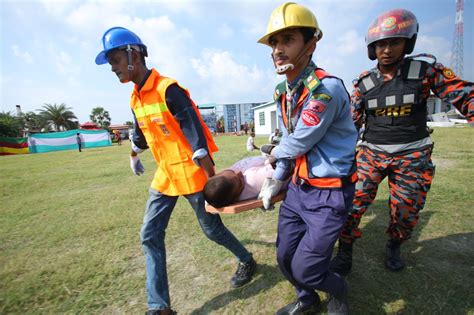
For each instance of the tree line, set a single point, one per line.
(51, 117)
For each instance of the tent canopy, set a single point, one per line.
(89, 125)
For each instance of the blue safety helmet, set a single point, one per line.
(117, 38)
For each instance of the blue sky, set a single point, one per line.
(48, 47)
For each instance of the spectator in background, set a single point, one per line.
(251, 144)
(118, 137)
(274, 137)
(79, 141)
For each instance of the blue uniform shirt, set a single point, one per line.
(323, 130)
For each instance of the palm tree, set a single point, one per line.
(33, 122)
(59, 116)
(100, 116)
(10, 125)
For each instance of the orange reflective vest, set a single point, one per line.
(301, 173)
(176, 173)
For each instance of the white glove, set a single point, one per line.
(271, 187)
(136, 165)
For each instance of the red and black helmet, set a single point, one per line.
(390, 24)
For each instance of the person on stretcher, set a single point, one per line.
(241, 181)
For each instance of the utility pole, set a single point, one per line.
(457, 54)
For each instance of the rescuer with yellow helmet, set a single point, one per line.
(390, 100)
(168, 123)
(293, 16)
(318, 147)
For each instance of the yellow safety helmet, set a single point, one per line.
(290, 15)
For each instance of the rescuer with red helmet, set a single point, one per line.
(390, 101)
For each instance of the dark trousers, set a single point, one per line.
(309, 224)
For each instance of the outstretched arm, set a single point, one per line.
(450, 88)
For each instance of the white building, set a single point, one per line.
(265, 118)
(436, 105)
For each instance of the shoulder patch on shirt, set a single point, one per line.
(310, 118)
(445, 71)
(321, 97)
(276, 95)
(280, 88)
(316, 106)
(448, 73)
(311, 82)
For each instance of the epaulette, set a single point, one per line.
(366, 81)
(356, 81)
(279, 90)
(311, 82)
(425, 56)
(415, 67)
(448, 73)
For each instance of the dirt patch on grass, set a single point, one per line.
(444, 163)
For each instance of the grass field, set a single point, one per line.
(69, 241)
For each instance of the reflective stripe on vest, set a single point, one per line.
(395, 109)
(150, 109)
(176, 173)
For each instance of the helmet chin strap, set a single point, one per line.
(283, 69)
(130, 65)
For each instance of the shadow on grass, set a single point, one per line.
(257, 242)
(265, 278)
(437, 278)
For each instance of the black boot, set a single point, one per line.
(244, 273)
(393, 260)
(342, 262)
(298, 308)
(338, 305)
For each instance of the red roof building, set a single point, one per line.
(89, 125)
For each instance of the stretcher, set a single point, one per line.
(244, 205)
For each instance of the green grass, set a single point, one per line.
(69, 241)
